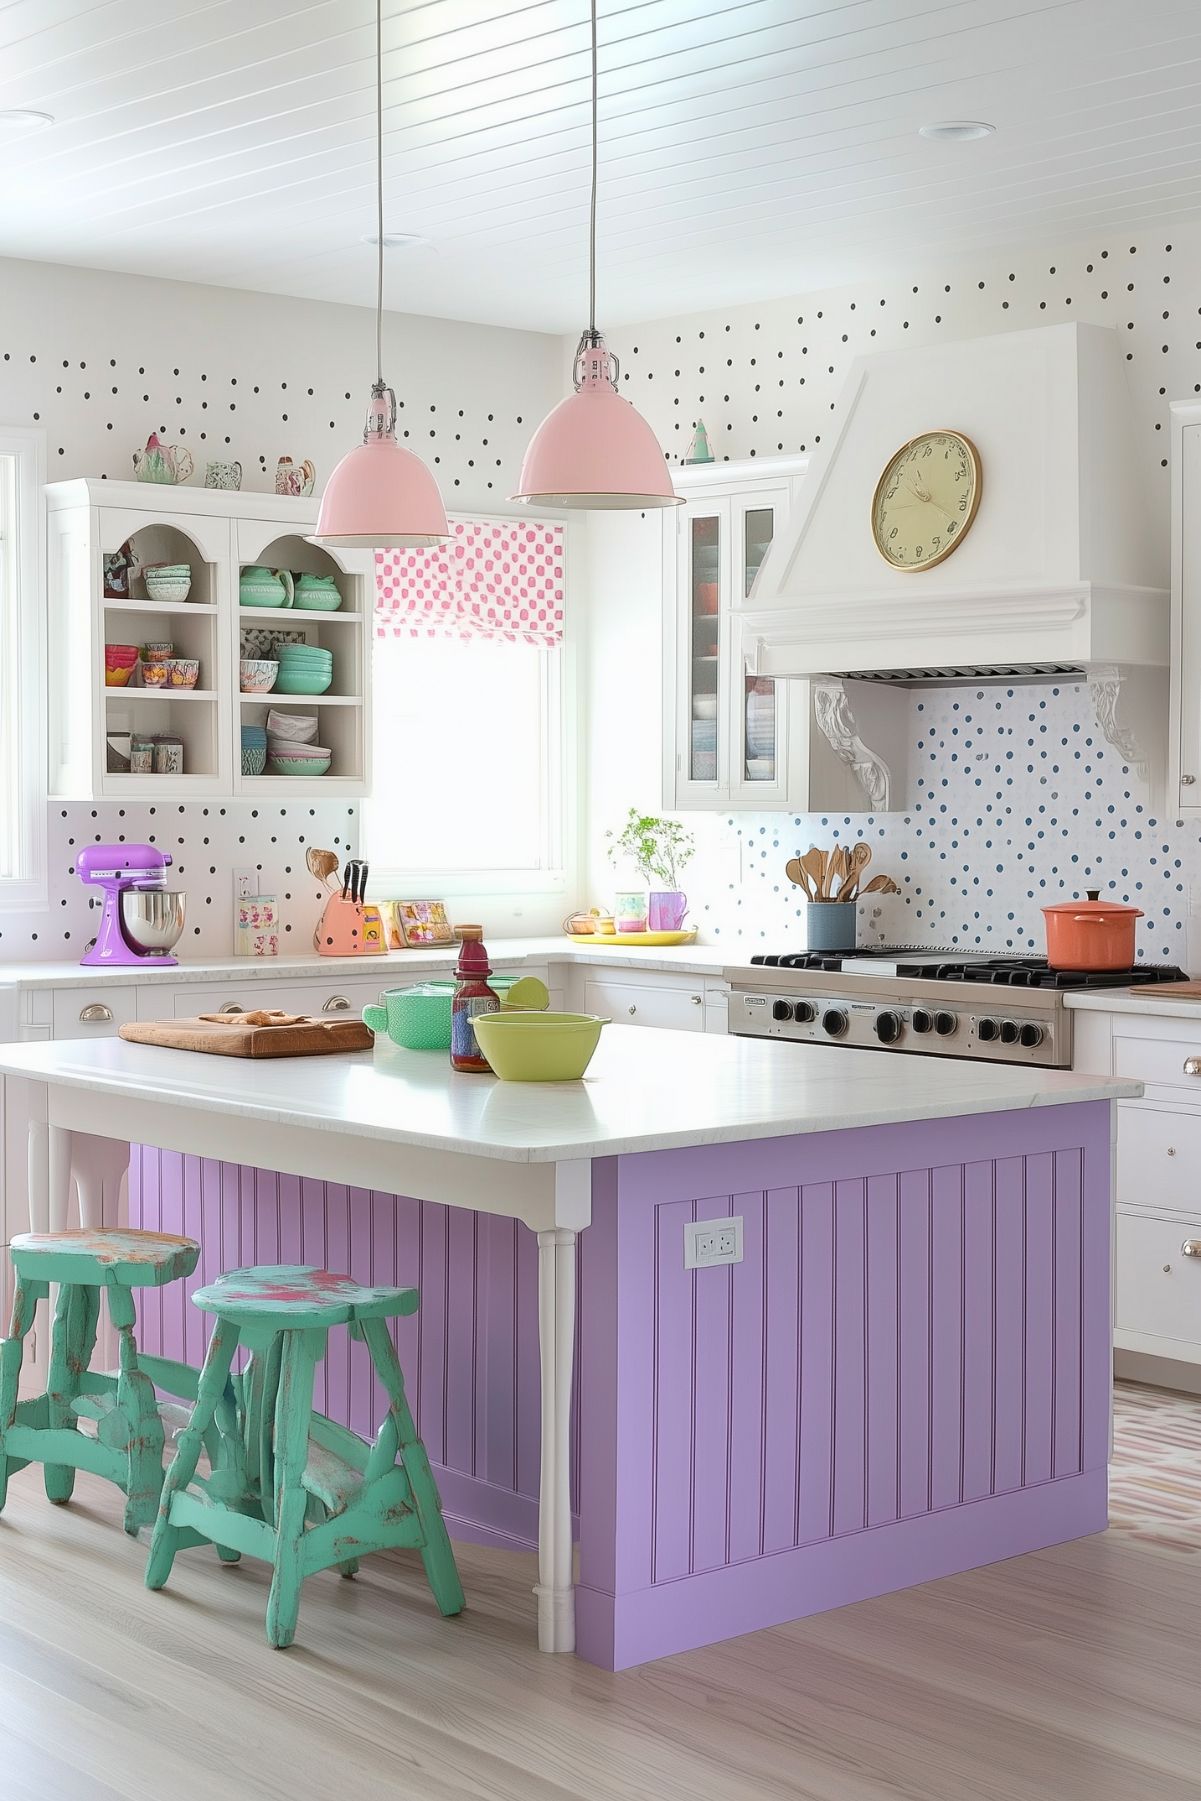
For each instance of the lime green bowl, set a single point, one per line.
(538, 1047)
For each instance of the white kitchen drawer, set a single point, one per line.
(1159, 1158)
(92, 1012)
(1159, 1060)
(1157, 1289)
(637, 1004)
(304, 996)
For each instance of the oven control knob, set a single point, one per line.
(922, 1021)
(888, 1027)
(1030, 1036)
(944, 1024)
(986, 1030)
(804, 1011)
(1009, 1031)
(834, 1022)
(781, 1010)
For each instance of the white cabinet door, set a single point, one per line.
(640, 1004)
(92, 1012)
(1157, 1286)
(1184, 778)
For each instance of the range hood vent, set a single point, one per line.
(1061, 571)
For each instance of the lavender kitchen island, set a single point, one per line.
(906, 1374)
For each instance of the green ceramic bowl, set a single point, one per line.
(301, 765)
(295, 681)
(418, 1018)
(538, 1047)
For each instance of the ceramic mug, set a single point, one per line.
(223, 475)
(629, 910)
(667, 909)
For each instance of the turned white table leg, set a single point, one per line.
(556, 1343)
(58, 1196)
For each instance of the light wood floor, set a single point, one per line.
(1073, 1675)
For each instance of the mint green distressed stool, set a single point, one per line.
(128, 1446)
(316, 1495)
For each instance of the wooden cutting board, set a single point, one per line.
(1180, 991)
(261, 1034)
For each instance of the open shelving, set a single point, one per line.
(218, 534)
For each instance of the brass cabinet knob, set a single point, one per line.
(1192, 1066)
(1191, 1247)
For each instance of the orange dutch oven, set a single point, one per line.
(1090, 934)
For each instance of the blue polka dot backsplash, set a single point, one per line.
(1018, 802)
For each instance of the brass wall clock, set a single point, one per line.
(926, 499)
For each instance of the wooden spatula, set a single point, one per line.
(861, 856)
(881, 884)
(814, 865)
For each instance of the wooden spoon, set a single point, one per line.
(796, 872)
(881, 884)
(861, 856)
(814, 865)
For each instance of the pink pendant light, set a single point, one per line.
(380, 496)
(594, 450)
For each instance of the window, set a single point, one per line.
(22, 673)
(469, 755)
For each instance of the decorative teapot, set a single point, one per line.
(259, 586)
(319, 593)
(168, 464)
(294, 478)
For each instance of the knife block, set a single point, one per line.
(349, 928)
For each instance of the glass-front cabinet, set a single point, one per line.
(726, 727)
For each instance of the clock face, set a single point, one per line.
(926, 499)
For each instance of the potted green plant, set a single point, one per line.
(658, 849)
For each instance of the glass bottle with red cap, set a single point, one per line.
(472, 996)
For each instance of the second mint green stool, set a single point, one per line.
(128, 1446)
(315, 1496)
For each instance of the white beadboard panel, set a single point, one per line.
(1019, 803)
(206, 842)
(746, 148)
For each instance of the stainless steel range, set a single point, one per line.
(941, 1003)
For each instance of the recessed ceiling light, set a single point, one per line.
(14, 119)
(956, 131)
(397, 240)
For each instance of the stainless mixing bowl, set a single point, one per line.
(152, 919)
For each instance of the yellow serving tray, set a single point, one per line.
(620, 938)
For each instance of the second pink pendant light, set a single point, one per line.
(594, 450)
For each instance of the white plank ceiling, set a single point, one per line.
(749, 147)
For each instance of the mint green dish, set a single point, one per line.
(290, 681)
(418, 1018)
(259, 586)
(301, 765)
(317, 593)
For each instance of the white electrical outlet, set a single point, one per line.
(712, 1241)
(246, 884)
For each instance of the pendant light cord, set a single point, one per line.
(379, 192)
(592, 203)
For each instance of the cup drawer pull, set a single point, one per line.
(337, 1003)
(1192, 1066)
(231, 1007)
(1191, 1247)
(93, 1015)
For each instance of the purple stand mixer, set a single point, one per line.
(142, 920)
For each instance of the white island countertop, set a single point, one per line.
(645, 1091)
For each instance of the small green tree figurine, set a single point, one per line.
(658, 848)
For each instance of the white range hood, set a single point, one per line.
(1060, 573)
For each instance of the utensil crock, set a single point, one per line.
(830, 925)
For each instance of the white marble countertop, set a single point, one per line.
(391, 970)
(645, 1091)
(1121, 1000)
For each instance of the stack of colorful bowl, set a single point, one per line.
(303, 669)
(254, 749)
(120, 661)
(290, 744)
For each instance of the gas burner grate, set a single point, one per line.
(937, 965)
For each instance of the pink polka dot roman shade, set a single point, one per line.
(499, 579)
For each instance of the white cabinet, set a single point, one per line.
(638, 998)
(216, 534)
(730, 737)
